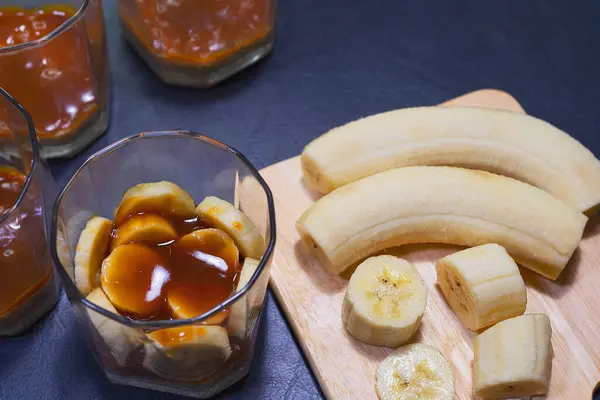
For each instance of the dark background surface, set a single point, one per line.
(334, 61)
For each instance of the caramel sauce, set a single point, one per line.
(22, 271)
(198, 32)
(53, 81)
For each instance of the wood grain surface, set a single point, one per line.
(345, 368)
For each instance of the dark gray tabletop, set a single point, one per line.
(334, 61)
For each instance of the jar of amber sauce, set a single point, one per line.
(198, 43)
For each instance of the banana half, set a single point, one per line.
(482, 285)
(506, 143)
(225, 216)
(416, 371)
(384, 302)
(441, 205)
(514, 358)
(91, 249)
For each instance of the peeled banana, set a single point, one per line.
(506, 143)
(239, 312)
(441, 205)
(514, 358)
(415, 372)
(384, 302)
(154, 197)
(482, 285)
(147, 228)
(91, 249)
(225, 216)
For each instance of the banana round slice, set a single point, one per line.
(225, 216)
(154, 197)
(187, 353)
(416, 371)
(121, 340)
(146, 228)
(238, 313)
(134, 278)
(91, 249)
(482, 285)
(384, 302)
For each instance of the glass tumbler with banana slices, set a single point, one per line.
(167, 240)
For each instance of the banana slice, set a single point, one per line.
(225, 216)
(489, 140)
(155, 197)
(187, 353)
(384, 302)
(146, 228)
(514, 358)
(91, 249)
(134, 278)
(238, 312)
(415, 372)
(442, 205)
(482, 285)
(121, 340)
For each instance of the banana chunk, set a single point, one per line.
(187, 353)
(225, 216)
(239, 313)
(154, 197)
(91, 249)
(506, 143)
(416, 371)
(147, 228)
(442, 205)
(384, 302)
(482, 285)
(514, 358)
(121, 340)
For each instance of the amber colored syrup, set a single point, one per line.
(200, 32)
(181, 268)
(22, 274)
(53, 81)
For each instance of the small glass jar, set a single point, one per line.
(198, 43)
(128, 350)
(28, 286)
(53, 60)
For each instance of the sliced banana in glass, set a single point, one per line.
(134, 278)
(187, 353)
(154, 197)
(417, 371)
(91, 249)
(385, 301)
(121, 340)
(239, 312)
(146, 228)
(225, 216)
(482, 285)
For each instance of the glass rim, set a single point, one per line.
(52, 35)
(69, 285)
(35, 153)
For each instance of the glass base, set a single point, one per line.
(194, 75)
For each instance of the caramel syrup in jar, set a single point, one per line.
(22, 271)
(53, 81)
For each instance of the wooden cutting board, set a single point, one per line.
(312, 298)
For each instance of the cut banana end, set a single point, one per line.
(416, 371)
(225, 216)
(514, 358)
(121, 340)
(91, 249)
(239, 314)
(154, 197)
(482, 285)
(149, 229)
(441, 205)
(384, 302)
(187, 353)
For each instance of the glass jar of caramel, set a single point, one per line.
(53, 60)
(28, 288)
(198, 43)
(167, 264)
